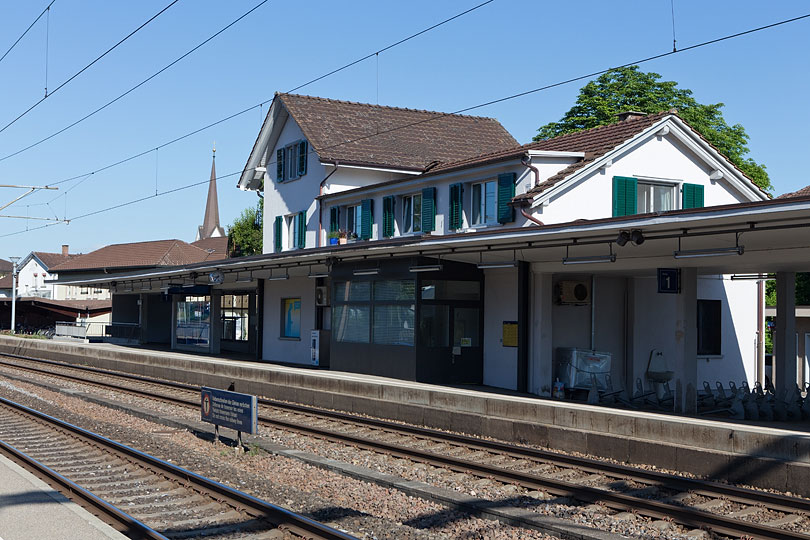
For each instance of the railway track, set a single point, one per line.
(721, 508)
(140, 495)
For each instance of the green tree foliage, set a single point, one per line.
(627, 88)
(245, 234)
(802, 299)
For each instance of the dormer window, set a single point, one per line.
(291, 161)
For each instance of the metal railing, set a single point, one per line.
(80, 330)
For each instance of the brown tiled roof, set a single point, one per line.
(53, 259)
(804, 192)
(392, 137)
(5, 282)
(217, 246)
(138, 254)
(5, 266)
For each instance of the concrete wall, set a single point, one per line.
(276, 348)
(500, 301)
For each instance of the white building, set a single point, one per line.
(35, 279)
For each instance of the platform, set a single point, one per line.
(769, 457)
(29, 508)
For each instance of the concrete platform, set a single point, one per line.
(29, 508)
(737, 452)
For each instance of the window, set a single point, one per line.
(652, 197)
(292, 231)
(484, 203)
(193, 321)
(235, 309)
(85, 290)
(291, 318)
(708, 327)
(354, 219)
(411, 213)
(291, 161)
(391, 308)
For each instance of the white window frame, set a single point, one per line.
(416, 224)
(652, 183)
(482, 210)
(291, 221)
(355, 225)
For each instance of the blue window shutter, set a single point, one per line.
(692, 196)
(280, 164)
(367, 219)
(302, 158)
(506, 192)
(301, 240)
(625, 193)
(388, 217)
(428, 209)
(334, 214)
(455, 212)
(277, 234)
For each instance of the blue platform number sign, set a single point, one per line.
(229, 409)
(669, 281)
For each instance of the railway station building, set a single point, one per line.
(433, 247)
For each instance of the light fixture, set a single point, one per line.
(188, 284)
(737, 249)
(635, 236)
(757, 277)
(247, 279)
(146, 286)
(165, 287)
(426, 268)
(271, 277)
(504, 264)
(590, 259)
(623, 238)
(315, 275)
(366, 271)
(127, 287)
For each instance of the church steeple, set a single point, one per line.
(210, 227)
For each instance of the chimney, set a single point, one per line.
(64, 250)
(630, 115)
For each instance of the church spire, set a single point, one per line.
(210, 227)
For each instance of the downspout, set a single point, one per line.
(761, 330)
(526, 161)
(320, 204)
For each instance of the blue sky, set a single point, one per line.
(503, 48)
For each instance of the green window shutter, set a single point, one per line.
(280, 164)
(506, 192)
(692, 196)
(625, 192)
(455, 211)
(367, 219)
(333, 219)
(428, 209)
(277, 234)
(388, 217)
(301, 239)
(302, 158)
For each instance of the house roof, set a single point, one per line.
(5, 266)
(392, 137)
(138, 254)
(48, 260)
(804, 192)
(5, 282)
(216, 245)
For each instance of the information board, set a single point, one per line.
(509, 337)
(229, 409)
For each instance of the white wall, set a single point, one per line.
(29, 284)
(500, 301)
(276, 348)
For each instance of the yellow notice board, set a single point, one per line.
(510, 334)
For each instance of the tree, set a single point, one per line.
(245, 234)
(627, 88)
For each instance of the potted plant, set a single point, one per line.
(342, 236)
(352, 237)
(333, 238)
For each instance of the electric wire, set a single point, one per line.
(72, 77)
(459, 111)
(26, 30)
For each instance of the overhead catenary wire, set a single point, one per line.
(459, 111)
(120, 96)
(85, 68)
(26, 30)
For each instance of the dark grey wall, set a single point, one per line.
(159, 316)
(125, 308)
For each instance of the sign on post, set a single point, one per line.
(229, 409)
(669, 281)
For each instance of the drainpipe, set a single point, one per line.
(526, 161)
(761, 331)
(320, 204)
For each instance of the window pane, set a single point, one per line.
(350, 218)
(407, 222)
(393, 325)
(450, 290)
(358, 219)
(491, 202)
(643, 203)
(662, 198)
(434, 326)
(709, 328)
(476, 204)
(399, 290)
(291, 317)
(417, 213)
(465, 327)
(352, 291)
(193, 321)
(350, 323)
